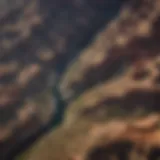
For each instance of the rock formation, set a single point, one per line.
(110, 84)
(38, 39)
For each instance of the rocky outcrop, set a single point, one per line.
(117, 139)
(38, 39)
(133, 35)
(112, 91)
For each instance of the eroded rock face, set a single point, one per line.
(132, 36)
(112, 91)
(38, 39)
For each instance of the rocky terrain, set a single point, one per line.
(101, 59)
(37, 41)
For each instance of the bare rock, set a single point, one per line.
(112, 90)
(38, 39)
